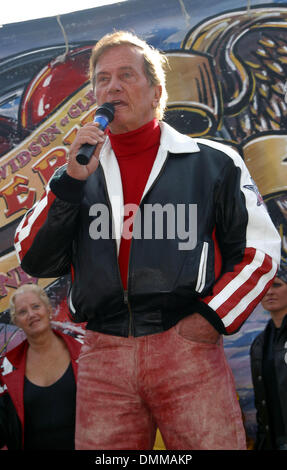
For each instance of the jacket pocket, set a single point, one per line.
(196, 276)
(202, 268)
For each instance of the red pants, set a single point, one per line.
(129, 386)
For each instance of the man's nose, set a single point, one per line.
(114, 84)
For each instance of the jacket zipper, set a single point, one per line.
(127, 303)
(126, 295)
(126, 292)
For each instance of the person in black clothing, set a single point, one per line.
(268, 355)
(38, 379)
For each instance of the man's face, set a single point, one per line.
(121, 80)
(275, 300)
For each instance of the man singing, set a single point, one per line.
(156, 304)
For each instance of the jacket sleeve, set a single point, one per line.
(3, 422)
(247, 246)
(3, 417)
(44, 238)
(10, 426)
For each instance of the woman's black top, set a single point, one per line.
(50, 414)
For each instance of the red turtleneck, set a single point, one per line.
(135, 152)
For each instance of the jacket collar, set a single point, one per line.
(270, 328)
(171, 141)
(74, 346)
(16, 356)
(175, 142)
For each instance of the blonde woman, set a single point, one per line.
(38, 378)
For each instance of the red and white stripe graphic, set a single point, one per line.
(238, 292)
(31, 224)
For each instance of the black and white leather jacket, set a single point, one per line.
(216, 253)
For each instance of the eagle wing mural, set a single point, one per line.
(248, 49)
(249, 52)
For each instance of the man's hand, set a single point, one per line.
(196, 328)
(88, 134)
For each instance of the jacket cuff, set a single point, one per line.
(211, 316)
(67, 188)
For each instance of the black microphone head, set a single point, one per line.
(107, 110)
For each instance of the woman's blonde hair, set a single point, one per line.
(28, 288)
(154, 62)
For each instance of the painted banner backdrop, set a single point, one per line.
(226, 81)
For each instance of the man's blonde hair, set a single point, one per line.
(154, 62)
(29, 288)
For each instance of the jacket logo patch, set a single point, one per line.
(253, 187)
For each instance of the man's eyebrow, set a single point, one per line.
(123, 68)
(127, 67)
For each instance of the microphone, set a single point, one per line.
(104, 115)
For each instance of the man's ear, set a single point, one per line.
(157, 95)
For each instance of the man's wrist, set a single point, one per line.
(67, 188)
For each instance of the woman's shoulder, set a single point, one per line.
(14, 355)
(258, 341)
(73, 343)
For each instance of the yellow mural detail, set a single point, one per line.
(26, 170)
(264, 157)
